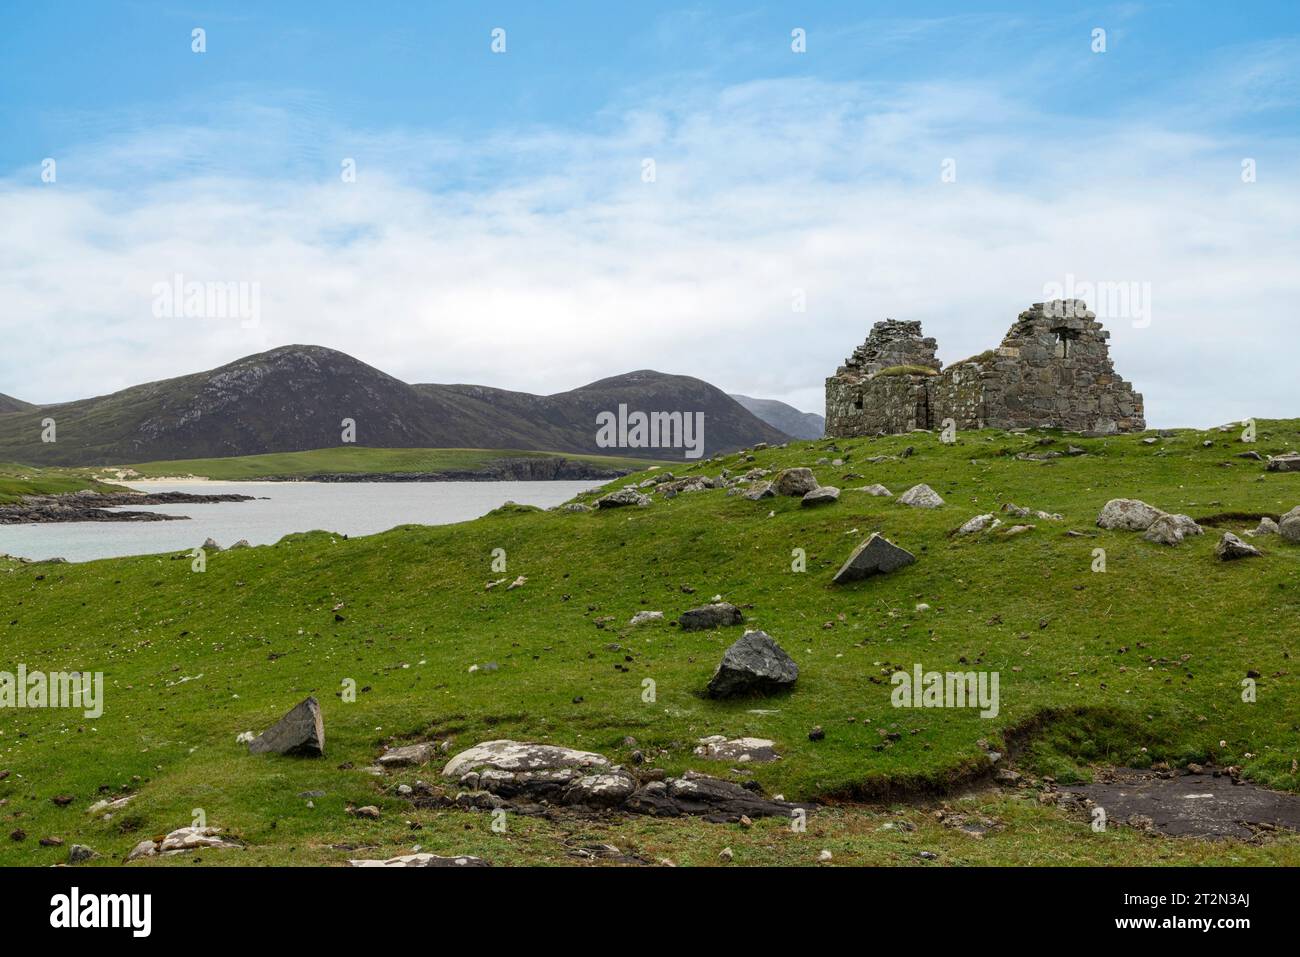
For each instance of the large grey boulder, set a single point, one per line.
(822, 495)
(1288, 526)
(717, 615)
(921, 496)
(755, 664)
(876, 556)
(623, 497)
(1171, 529)
(301, 731)
(1288, 462)
(506, 755)
(1128, 513)
(759, 491)
(1231, 547)
(1267, 527)
(794, 482)
(505, 770)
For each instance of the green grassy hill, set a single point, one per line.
(1139, 664)
(357, 460)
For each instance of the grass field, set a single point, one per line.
(1140, 663)
(353, 459)
(19, 480)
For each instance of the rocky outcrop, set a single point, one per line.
(1052, 370)
(754, 664)
(533, 778)
(183, 840)
(422, 860)
(87, 506)
(622, 498)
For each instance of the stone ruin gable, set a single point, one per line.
(1052, 370)
(858, 402)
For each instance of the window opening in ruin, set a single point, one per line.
(1063, 339)
(857, 403)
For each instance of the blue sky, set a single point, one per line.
(500, 229)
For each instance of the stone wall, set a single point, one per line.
(1052, 370)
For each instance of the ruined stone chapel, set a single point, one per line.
(1052, 370)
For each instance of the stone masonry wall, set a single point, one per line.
(1052, 370)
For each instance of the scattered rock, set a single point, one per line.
(366, 811)
(622, 497)
(716, 615)
(80, 852)
(978, 524)
(1267, 527)
(921, 496)
(876, 556)
(1171, 529)
(301, 731)
(755, 664)
(1231, 547)
(409, 755)
(877, 490)
(182, 840)
(641, 617)
(1128, 513)
(798, 481)
(1288, 462)
(1288, 526)
(422, 860)
(716, 747)
(760, 491)
(822, 495)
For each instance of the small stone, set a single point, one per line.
(816, 734)
(822, 495)
(824, 856)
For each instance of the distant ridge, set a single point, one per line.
(779, 415)
(9, 404)
(294, 398)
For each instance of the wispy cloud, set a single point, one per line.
(539, 259)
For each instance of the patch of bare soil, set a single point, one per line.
(1210, 804)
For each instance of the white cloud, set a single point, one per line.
(540, 261)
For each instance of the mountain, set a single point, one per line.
(295, 398)
(779, 415)
(9, 404)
